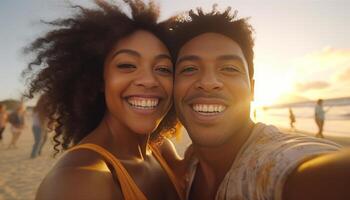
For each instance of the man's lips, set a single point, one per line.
(208, 106)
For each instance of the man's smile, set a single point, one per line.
(208, 109)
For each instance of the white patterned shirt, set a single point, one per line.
(264, 163)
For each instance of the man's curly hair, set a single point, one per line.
(68, 66)
(197, 22)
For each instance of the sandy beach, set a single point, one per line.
(20, 176)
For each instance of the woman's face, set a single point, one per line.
(138, 78)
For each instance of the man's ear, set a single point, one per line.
(252, 84)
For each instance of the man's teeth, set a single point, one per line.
(143, 103)
(208, 108)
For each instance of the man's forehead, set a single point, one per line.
(211, 45)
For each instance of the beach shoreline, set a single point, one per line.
(20, 176)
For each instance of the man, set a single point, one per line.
(291, 119)
(231, 157)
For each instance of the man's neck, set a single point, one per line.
(215, 162)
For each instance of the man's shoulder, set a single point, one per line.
(270, 137)
(263, 134)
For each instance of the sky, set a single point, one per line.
(302, 47)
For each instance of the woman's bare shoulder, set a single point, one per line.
(80, 174)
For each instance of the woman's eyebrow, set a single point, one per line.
(137, 54)
(127, 51)
(163, 56)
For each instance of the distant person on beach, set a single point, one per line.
(3, 120)
(291, 119)
(231, 157)
(17, 121)
(39, 128)
(107, 77)
(319, 117)
(254, 114)
(44, 136)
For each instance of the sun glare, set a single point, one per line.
(269, 88)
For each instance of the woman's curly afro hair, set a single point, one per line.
(68, 66)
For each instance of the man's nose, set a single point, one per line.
(209, 81)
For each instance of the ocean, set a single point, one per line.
(337, 118)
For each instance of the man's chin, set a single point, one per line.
(212, 141)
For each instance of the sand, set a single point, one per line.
(20, 176)
(344, 141)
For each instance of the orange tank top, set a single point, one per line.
(129, 188)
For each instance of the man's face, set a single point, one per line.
(212, 89)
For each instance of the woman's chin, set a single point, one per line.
(144, 130)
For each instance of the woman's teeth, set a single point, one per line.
(143, 103)
(208, 108)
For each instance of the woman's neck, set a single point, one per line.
(120, 140)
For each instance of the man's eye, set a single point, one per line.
(188, 69)
(230, 68)
(164, 70)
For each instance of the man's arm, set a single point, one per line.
(322, 177)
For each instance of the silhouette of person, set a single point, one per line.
(3, 120)
(291, 119)
(319, 117)
(254, 113)
(17, 120)
(39, 128)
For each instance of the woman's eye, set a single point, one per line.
(188, 70)
(164, 70)
(126, 66)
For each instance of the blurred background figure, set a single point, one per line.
(39, 128)
(319, 117)
(17, 121)
(291, 119)
(3, 120)
(254, 115)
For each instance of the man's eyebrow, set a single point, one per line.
(230, 57)
(127, 51)
(187, 58)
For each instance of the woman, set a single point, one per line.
(108, 81)
(17, 121)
